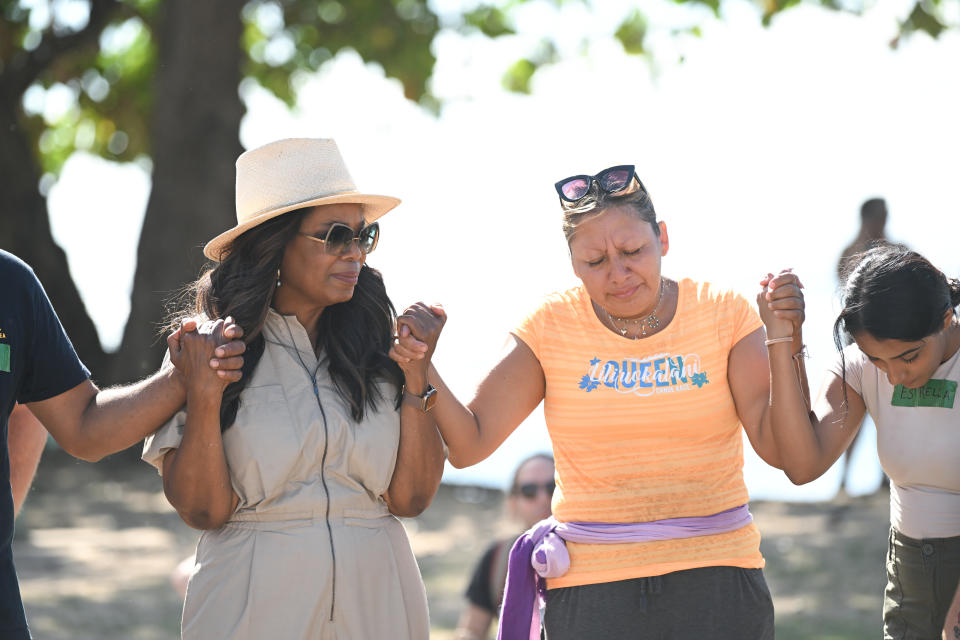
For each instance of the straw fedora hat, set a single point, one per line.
(290, 174)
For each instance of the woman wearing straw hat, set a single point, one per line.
(297, 472)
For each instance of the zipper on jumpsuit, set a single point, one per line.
(323, 461)
(326, 491)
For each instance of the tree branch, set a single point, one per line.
(26, 66)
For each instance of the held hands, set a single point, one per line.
(210, 354)
(781, 306)
(418, 330)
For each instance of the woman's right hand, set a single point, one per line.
(193, 353)
(781, 305)
(418, 329)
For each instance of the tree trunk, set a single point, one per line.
(195, 142)
(25, 232)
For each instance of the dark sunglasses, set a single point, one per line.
(339, 238)
(530, 489)
(615, 181)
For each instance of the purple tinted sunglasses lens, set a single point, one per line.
(613, 181)
(576, 188)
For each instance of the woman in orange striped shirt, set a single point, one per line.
(646, 382)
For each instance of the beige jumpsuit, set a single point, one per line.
(312, 551)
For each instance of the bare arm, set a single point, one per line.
(26, 438)
(419, 466)
(748, 377)
(474, 623)
(196, 479)
(505, 397)
(90, 423)
(809, 441)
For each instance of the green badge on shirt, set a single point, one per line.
(936, 393)
(5, 357)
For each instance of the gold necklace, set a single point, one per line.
(650, 320)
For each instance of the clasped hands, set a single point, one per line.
(782, 307)
(207, 353)
(418, 329)
(210, 352)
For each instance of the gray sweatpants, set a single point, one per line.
(720, 603)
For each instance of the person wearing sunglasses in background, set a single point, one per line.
(646, 381)
(297, 472)
(903, 368)
(528, 502)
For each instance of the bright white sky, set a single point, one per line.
(757, 149)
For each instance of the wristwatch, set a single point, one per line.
(424, 401)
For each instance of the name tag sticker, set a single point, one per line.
(5, 357)
(936, 393)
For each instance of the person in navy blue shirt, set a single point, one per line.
(40, 369)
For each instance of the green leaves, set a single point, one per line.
(632, 32)
(773, 7)
(517, 77)
(713, 5)
(493, 22)
(104, 93)
(924, 17)
(109, 75)
(284, 37)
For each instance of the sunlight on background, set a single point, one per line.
(757, 148)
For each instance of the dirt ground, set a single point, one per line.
(95, 546)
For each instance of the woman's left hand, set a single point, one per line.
(781, 304)
(418, 330)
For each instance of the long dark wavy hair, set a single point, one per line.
(355, 335)
(891, 292)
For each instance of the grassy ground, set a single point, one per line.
(96, 543)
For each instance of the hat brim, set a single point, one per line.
(373, 208)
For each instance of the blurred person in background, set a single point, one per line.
(296, 473)
(872, 233)
(528, 502)
(39, 369)
(648, 385)
(903, 368)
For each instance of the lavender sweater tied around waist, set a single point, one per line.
(541, 553)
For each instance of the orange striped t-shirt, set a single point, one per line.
(644, 430)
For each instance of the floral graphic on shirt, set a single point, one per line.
(660, 373)
(588, 384)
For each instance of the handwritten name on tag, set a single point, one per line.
(936, 393)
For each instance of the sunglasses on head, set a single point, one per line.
(529, 490)
(339, 238)
(620, 180)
